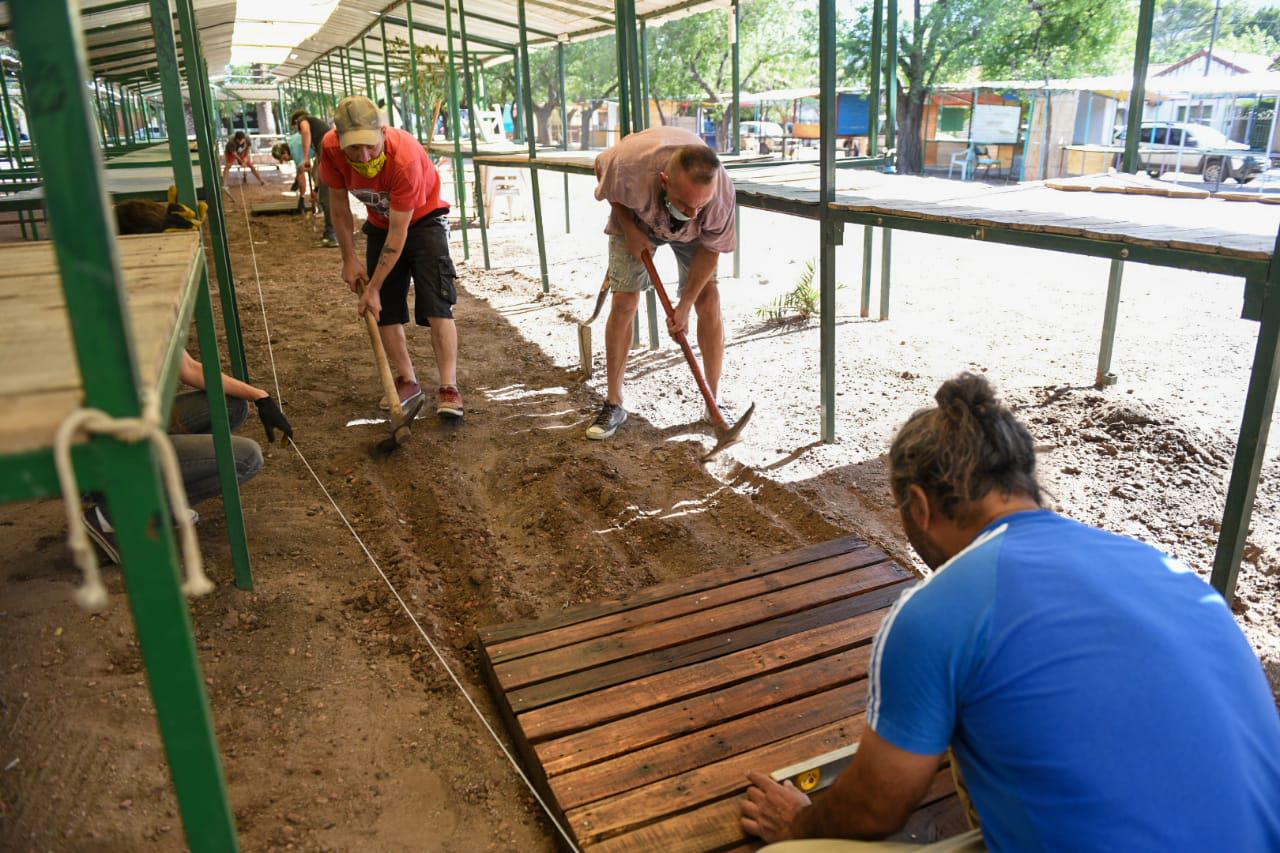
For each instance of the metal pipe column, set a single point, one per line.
(1138, 93)
(890, 142)
(830, 233)
(873, 143)
(455, 125)
(526, 110)
(471, 123)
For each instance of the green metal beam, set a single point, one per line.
(873, 144)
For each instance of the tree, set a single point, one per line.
(952, 40)
(1054, 38)
(937, 44)
(693, 56)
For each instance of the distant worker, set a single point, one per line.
(1095, 694)
(664, 185)
(408, 238)
(238, 152)
(290, 151)
(312, 131)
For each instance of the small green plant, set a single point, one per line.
(797, 305)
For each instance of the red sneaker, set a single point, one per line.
(410, 393)
(449, 402)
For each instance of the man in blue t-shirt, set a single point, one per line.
(1095, 693)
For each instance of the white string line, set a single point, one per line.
(262, 303)
(434, 649)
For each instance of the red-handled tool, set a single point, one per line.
(725, 435)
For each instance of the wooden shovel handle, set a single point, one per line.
(380, 355)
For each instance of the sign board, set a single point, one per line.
(994, 123)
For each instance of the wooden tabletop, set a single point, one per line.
(39, 376)
(143, 182)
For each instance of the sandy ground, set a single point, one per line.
(338, 729)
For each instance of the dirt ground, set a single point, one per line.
(337, 728)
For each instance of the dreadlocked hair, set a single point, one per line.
(965, 447)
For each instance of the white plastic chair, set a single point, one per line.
(961, 159)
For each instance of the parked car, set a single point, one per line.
(1204, 151)
(761, 136)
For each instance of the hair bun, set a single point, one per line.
(968, 391)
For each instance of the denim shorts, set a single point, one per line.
(627, 275)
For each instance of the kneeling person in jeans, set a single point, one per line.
(390, 172)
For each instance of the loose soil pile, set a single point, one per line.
(338, 729)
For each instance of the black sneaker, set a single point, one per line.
(607, 422)
(101, 532)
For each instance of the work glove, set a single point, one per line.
(273, 419)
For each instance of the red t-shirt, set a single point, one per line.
(408, 181)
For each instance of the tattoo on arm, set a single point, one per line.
(387, 256)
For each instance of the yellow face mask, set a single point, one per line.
(371, 168)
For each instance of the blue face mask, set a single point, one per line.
(676, 214)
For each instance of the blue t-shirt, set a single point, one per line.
(295, 147)
(1098, 694)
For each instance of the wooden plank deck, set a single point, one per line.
(639, 719)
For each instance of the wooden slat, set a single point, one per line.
(705, 784)
(537, 695)
(496, 634)
(684, 629)
(685, 604)
(708, 746)
(629, 715)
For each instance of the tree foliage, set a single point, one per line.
(1182, 27)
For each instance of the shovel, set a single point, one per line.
(584, 331)
(400, 419)
(725, 435)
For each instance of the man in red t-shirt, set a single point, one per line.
(390, 172)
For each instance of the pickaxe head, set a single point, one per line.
(727, 436)
(400, 431)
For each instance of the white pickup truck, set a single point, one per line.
(1194, 149)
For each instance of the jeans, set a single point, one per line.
(190, 431)
(322, 196)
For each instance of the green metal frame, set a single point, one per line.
(455, 131)
(49, 35)
(526, 109)
(471, 135)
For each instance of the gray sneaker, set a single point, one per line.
(607, 422)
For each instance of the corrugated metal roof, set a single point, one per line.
(491, 24)
(120, 42)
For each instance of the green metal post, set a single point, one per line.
(206, 143)
(12, 131)
(78, 209)
(346, 67)
(1104, 376)
(368, 79)
(1259, 406)
(970, 161)
(620, 43)
(873, 143)
(564, 125)
(180, 154)
(386, 70)
(1138, 94)
(830, 229)
(471, 125)
(413, 71)
(890, 141)
(526, 111)
(735, 19)
(891, 77)
(518, 126)
(102, 119)
(333, 86)
(115, 118)
(455, 129)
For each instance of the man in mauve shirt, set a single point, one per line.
(665, 186)
(390, 172)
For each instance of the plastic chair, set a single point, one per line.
(960, 159)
